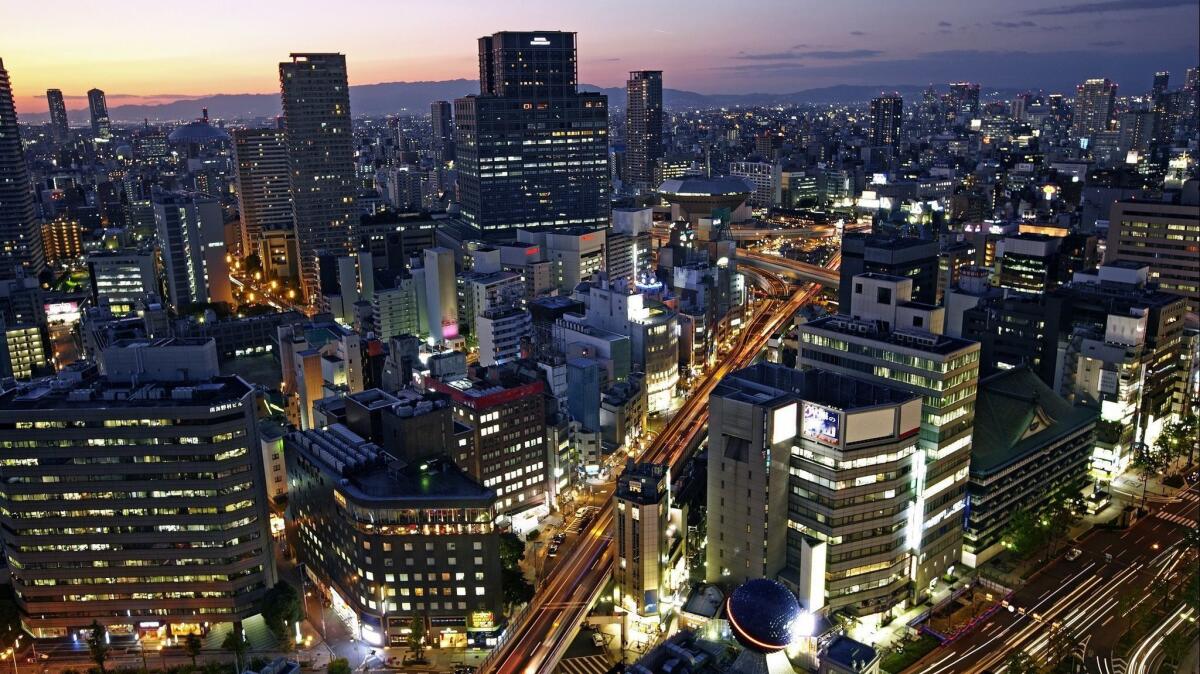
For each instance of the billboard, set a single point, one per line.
(821, 424)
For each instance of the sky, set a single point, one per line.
(140, 51)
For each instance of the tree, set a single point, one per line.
(97, 643)
(1148, 463)
(512, 550)
(1175, 646)
(1061, 648)
(235, 642)
(282, 608)
(1023, 534)
(416, 637)
(1019, 662)
(192, 646)
(517, 590)
(339, 666)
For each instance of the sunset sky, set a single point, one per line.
(141, 51)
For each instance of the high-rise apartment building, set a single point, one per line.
(191, 239)
(98, 109)
(59, 128)
(885, 338)
(100, 528)
(1093, 112)
(320, 149)
(441, 116)
(532, 151)
(887, 113)
(643, 128)
(263, 183)
(20, 230)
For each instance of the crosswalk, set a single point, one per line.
(588, 664)
(1176, 519)
(1188, 496)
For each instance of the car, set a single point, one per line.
(559, 539)
(1073, 554)
(552, 550)
(598, 640)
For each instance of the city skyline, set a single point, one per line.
(1031, 44)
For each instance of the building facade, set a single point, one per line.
(263, 184)
(643, 128)
(20, 228)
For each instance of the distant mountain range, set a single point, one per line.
(388, 98)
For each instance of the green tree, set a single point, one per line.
(1019, 662)
(1061, 648)
(282, 608)
(97, 643)
(416, 637)
(339, 666)
(235, 642)
(1147, 463)
(192, 646)
(1024, 533)
(517, 590)
(1175, 646)
(512, 550)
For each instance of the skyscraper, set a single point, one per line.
(191, 237)
(101, 128)
(1161, 80)
(1094, 100)
(320, 146)
(643, 128)
(264, 190)
(443, 130)
(20, 231)
(964, 100)
(532, 150)
(59, 130)
(887, 111)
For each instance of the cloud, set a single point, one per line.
(772, 68)
(1110, 6)
(1107, 43)
(857, 32)
(1014, 24)
(816, 54)
(608, 60)
(945, 24)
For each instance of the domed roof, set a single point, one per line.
(701, 186)
(763, 615)
(198, 131)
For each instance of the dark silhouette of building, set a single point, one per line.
(643, 128)
(20, 230)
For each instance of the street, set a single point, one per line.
(1091, 597)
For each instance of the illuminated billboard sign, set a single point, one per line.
(820, 424)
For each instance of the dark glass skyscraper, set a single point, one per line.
(20, 231)
(98, 107)
(59, 130)
(532, 151)
(320, 147)
(443, 129)
(886, 113)
(643, 128)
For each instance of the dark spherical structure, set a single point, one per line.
(199, 132)
(763, 615)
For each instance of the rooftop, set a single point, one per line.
(1017, 414)
(850, 654)
(941, 345)
(770, 383)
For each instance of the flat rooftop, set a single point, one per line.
(770, 383)
(940, 345)
(67, 392)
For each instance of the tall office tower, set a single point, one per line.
(887, 112)
(98, 107)
(532, 151)
(139, 494)
(263, 184)
(20, 231)
(1094, 101)
(1159, 87)
(796, 456)
(964, 100)
(883, 337)
(1020, 106)
(440, 113)
(640, 530)
(191, 238)
(1162, 235)
(59, 129)
(912, 258)
(320, 148)
(643, 128)
(441, 293)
